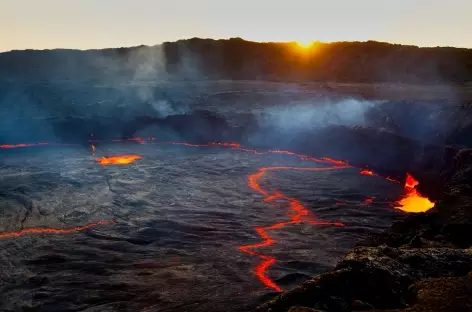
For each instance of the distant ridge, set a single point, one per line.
(238, 59)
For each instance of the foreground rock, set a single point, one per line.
(378, 277)
(441, 294)
(435, 295)
(379, 274)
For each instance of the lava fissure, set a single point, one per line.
(54, 230)
(41, 144)
(297, 213)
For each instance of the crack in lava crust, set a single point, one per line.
(54, 230)
(297, 213)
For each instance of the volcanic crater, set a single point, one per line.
(200, 222)
(106, 223)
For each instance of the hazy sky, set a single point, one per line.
(85, 24)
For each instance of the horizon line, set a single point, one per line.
(240, 38)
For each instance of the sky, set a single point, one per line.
(92, 24)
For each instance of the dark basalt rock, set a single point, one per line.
(303, 309)
(441, 294)
(197, 126)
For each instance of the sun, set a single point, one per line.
(304, 44)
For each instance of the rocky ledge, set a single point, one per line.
(421, 264)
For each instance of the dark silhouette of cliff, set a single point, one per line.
(197, 59)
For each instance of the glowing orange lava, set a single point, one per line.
(118, 160)
(392, 180)
(54, 230)
(21, 145)
(335, 162)
(367, 172)
(410, 182)
(297, 214)
(413, 201)
(369, 200)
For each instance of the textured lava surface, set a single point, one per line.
(164, 233)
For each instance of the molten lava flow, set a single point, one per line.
(118, 160)
(236, 145)
(53, 230)
(392, 180)
(413, 201)
(367, 172)
(410, 182)
(9, 146)
(297, 214)
(369, 200)
(138, 139)
(18, 145)
(335, 162)
(323, 160)
(301, 156)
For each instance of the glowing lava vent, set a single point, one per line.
(118, 160)
(367, 172)
(413, 201)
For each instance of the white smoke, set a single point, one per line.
(315, 114)
(163, 108)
